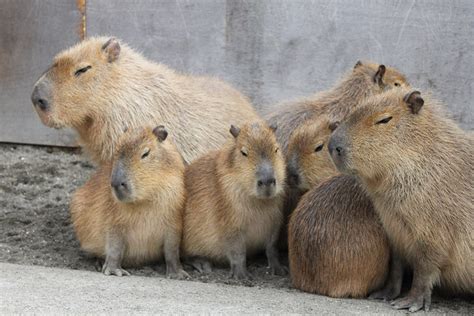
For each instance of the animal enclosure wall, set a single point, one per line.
(272, 50)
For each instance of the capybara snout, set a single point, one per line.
(120, 185)
(266, 182)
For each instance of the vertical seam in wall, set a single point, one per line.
(81, 6)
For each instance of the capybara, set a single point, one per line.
(234, 200)
(337, 246)
(417, 166)
(101, 86)
(364, 80)
(130, 211)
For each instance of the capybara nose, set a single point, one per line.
(267, 181)
(120, 185)
(38, 100)
(339, 150)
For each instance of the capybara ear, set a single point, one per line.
(273, 127)
(414, 101)
(378, 78)
(160, 132)
(358, 64)
(333, 125)
(234, 130)
(112, 49)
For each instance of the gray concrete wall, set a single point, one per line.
(275, 50)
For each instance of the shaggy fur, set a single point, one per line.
(122, 89)
(222, 203)
(337, 246)
(150, 222)
(417, 166)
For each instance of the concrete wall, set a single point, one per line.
(278, 50)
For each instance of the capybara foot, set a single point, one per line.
(114, 271)
(180, 274)
(413, 302)
(240, 274)
(278, 269)
(201, 265)
(387, 293)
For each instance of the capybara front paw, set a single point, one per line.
(180, 274)
(278, 269)
(387, 293)
(240, 274)
(413, 302)
(115, 271)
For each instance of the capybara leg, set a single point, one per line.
(393, 285)
(174, 268)
(114, 250)
(419, 295)
(237, 255)
(272, 254)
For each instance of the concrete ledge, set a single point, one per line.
(40, 290)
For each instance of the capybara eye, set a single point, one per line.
(82, 70)
(397, 84)
(384, 121)
(146, 153)
(319, 148)
(276, 150)
(244, 152)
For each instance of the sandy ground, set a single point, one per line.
(36, 184)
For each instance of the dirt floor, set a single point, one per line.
(36, 184)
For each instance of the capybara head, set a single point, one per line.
(144, 159)
(308, 159)
(256, 160)
(382, 77)
(378, 136)
(67, 94)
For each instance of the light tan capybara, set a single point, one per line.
(417, 166)
(234, 201)
(364, 80)
(101, 86)
(130, 211)
(337, 246)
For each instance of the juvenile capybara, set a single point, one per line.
(337, 246)
(234, 200)
(130, 211)
(364, 80)
(417, 166)
(101, 86)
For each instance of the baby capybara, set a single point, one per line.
(101, 86)
(337, 246)
(130, 211)
(417, 166)
(234, 200)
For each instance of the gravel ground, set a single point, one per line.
(36, 184)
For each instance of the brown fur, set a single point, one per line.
(122, 89)
(222, 202)
(337, 102)
(151, 220)
(418, 169)
(337, 246)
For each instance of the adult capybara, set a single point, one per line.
(130, 211)
(337, 246)
(364, 80)
(101, 86)
(417, 166)
(234, 200)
